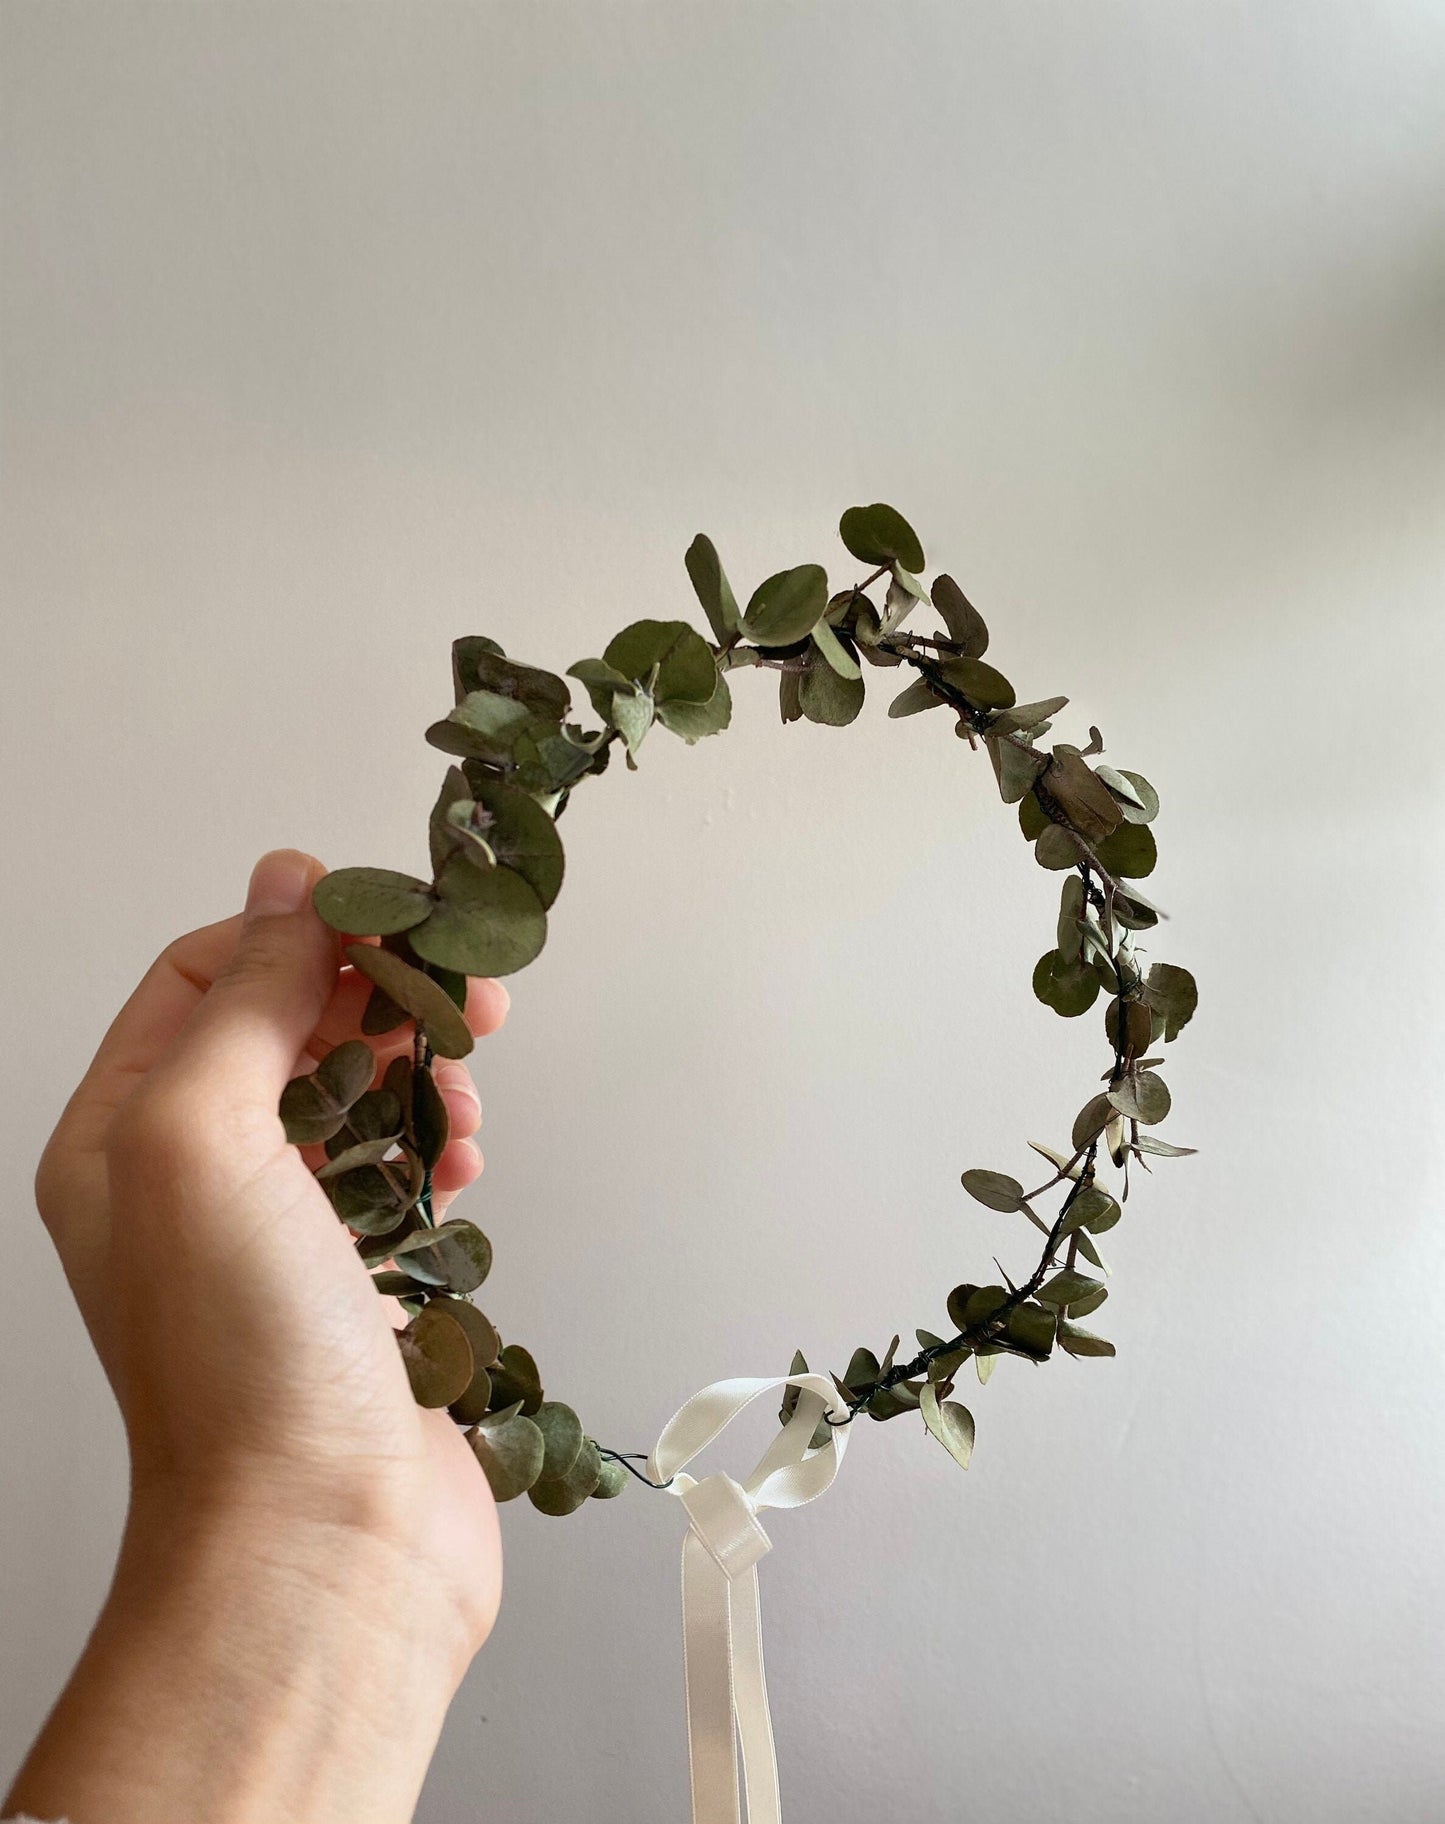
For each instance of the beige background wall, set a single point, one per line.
(331, 331)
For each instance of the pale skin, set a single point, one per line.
(310, 1561)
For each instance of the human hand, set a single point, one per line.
(271, 1425)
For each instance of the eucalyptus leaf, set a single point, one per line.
(824, 696)
(1091, 1208)
(1130, 853)
(835, 652)
(484, 726)
(919, 695)
(1077, 1341)
(437, 1356)
(1172, 993)
(515, 1378)
(694, 721)
(1147, 1143)
(950, 1423)
(370, 902)
(426, 1001)
(1082, 796)
(1014, 767)
(787, 606)
(1070, 988)
(880, 535)
(566, 1493)
(561, 1431)
(479, 664)
(1143, 1096)
(966, 626)
(1056, 848)
(1138, 801)
(486, 924)
(455, 1254)
(996, 1189)
(523, 837)
(509, 1448)
(671, 660)
(1066, 1286)
(713, 589)
(611, 1480)
(983, 687)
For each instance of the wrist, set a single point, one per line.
(248, 1667)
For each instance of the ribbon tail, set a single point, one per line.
(708, 1669)
(750, 1703)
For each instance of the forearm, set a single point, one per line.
(245, 1672)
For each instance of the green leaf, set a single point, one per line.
(1080, 794)
(825, 697)
(315, 1107)
(880, 535)
(788, 606)
(1056, 848)
(611, 1481)
(515, 1378)
(437, 1355)
(523, 837)
(1147, 1143)
(790, 704)
(1070, 937)
(1138, 801)
(1143, 1097)
(862, 1370)
(426, 1001)
(1172, 993)
(509, 1448)
(566, 1493)
(983, 687)
(631, 713)
(679, 656)
(1077, 1341)
(713, 589)
(1030, 1329)
(371, 1199)
(694, 721)
(1130, 852)
(444, 838)
(1014, 767)
(949, 1422)
(996, 1189)
(478, 664)
(918, 695)
(486, 1344)
(365, 1152)
(1092, 1208)
(1033, 819)
(966, 626)
(455, 1254)
(835, 652)
(1069, 988)
(486, 923)
(561, 1431)
(1067, 1286)
(375, 1115)
(1025, 716)
(1091, 1120)
(484, 726)
(473, 1403)
(601, 680)
(429, 1123)
(371, 902)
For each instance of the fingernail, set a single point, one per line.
(456, 1079)
(280, 883)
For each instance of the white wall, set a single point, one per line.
(332, 331)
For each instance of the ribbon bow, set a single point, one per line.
(727, 1693)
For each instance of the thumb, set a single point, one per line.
(241, 1043)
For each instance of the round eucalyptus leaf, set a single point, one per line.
(485, 725)
(825, 697)
(430, 1124)
(509, 1449)
(371, 1199)
(996, 1189)
(949, 1422)
(1066, 1286)
(611, 1480)
(561, 1431)
(394, 1285)
(1070, 937)
(880, 535)
(695, 721)
(788, 606)
(1077, 1341)
(472, 1405)
(381, 1014)
(678, 654)
(1138, 1027)
(309, 1112)
(486, 1344)
(454, 1254)
(1069, 988)
(915, 697)
(966, 626)
(1091, 1120)
(523, 837)
(1142, 1097)
(566, 1493)
(1033, 819)
(1172, 993)
(834, 652)
(1130, 852)
(713, 589)
(984, 687)
(371, 902)
(475, 666)
(1138, 801)
(365, 1152)
(375, 1116)
(515, 1379)
(347, 1070)
(488, 923)
(1082, 796)
(426, 1001)
(1056, 848)
(437, 1355)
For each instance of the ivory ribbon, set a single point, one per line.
(722, 1639)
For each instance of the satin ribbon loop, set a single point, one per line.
(727, 1694)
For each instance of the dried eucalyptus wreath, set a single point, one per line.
(497, 866)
